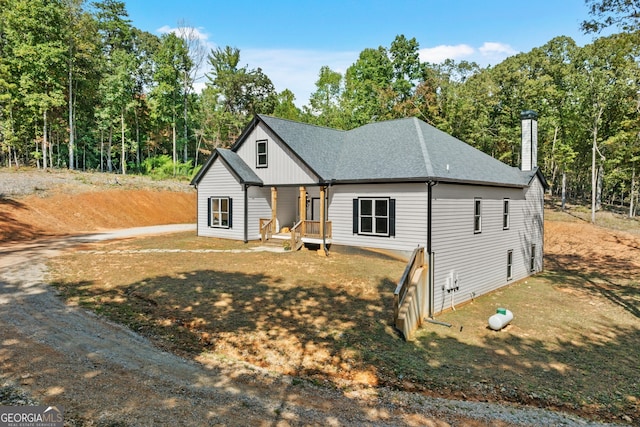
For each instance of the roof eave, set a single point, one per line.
(424, 179)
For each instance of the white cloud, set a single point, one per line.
(198, 32)
(296, 70)
(438, 54)
(493, 49)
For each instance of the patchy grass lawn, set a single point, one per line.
(572, 344)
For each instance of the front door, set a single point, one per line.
(313, 214)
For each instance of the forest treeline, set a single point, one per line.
(82, 88)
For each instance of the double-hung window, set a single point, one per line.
(374, 216)
(220, 212)
(261, 154)
(505, 214)
(477, 216)
(509, 264)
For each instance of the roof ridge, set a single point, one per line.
(262, 116)
(423, 147)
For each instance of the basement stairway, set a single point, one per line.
(410, 296)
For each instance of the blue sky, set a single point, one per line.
(290, 40)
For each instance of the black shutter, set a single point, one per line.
(230, 211)
(355, 216)
(209, 212)
(392, 217)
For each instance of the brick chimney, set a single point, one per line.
(529, 140)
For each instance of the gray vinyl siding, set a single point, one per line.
(260, 207)
(480, 259)
(219, 182)
(287, 206)
(259, 201)
(283, 167)
(411, 215)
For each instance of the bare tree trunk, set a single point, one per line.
(173, 133)
(71, 133)
(564, 187)
(599, 187)
(554, 167)
(123, 157)
(109, 165)
(102, 150)
(594, 174)
(632, 195)
(44, 140)
(135, 115)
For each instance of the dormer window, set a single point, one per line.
(261, 154)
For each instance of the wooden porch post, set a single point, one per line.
(274, 209)
(303, 207)
(323, 250)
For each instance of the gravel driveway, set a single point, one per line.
(103, 374)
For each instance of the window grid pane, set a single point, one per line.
(220, 212)
(374, 216)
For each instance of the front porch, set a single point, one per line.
(306, 229)
(304, 232)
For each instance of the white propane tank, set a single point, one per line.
(500, 319)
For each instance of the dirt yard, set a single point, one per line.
(108, 376)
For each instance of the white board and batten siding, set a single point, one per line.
(411, 215)
(283, 167)
(479, 260)
(219, 182)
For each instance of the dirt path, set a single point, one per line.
(104, 374)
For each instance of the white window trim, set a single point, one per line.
(506, 214)
(477, 217)
(510, 264)
(265, 164)
(373, 216)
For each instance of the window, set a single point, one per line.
(220, 212)
(532, 260)
(509, 264)
(261, 154)
(505, 214)
(477, 216)
(374, 216)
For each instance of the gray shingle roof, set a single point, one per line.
(239, 168)
(397, 150)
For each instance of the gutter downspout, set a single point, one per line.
(246, 213)
(324, 216)
(430, 254)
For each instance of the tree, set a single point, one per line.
(239, 93)
(196, 53)
(325, 101)
(624, 14)
(407, 72)
(285, 107)
(605, 69)
(368, 87)
(35, 44)
(172, 61)
(117, 87)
